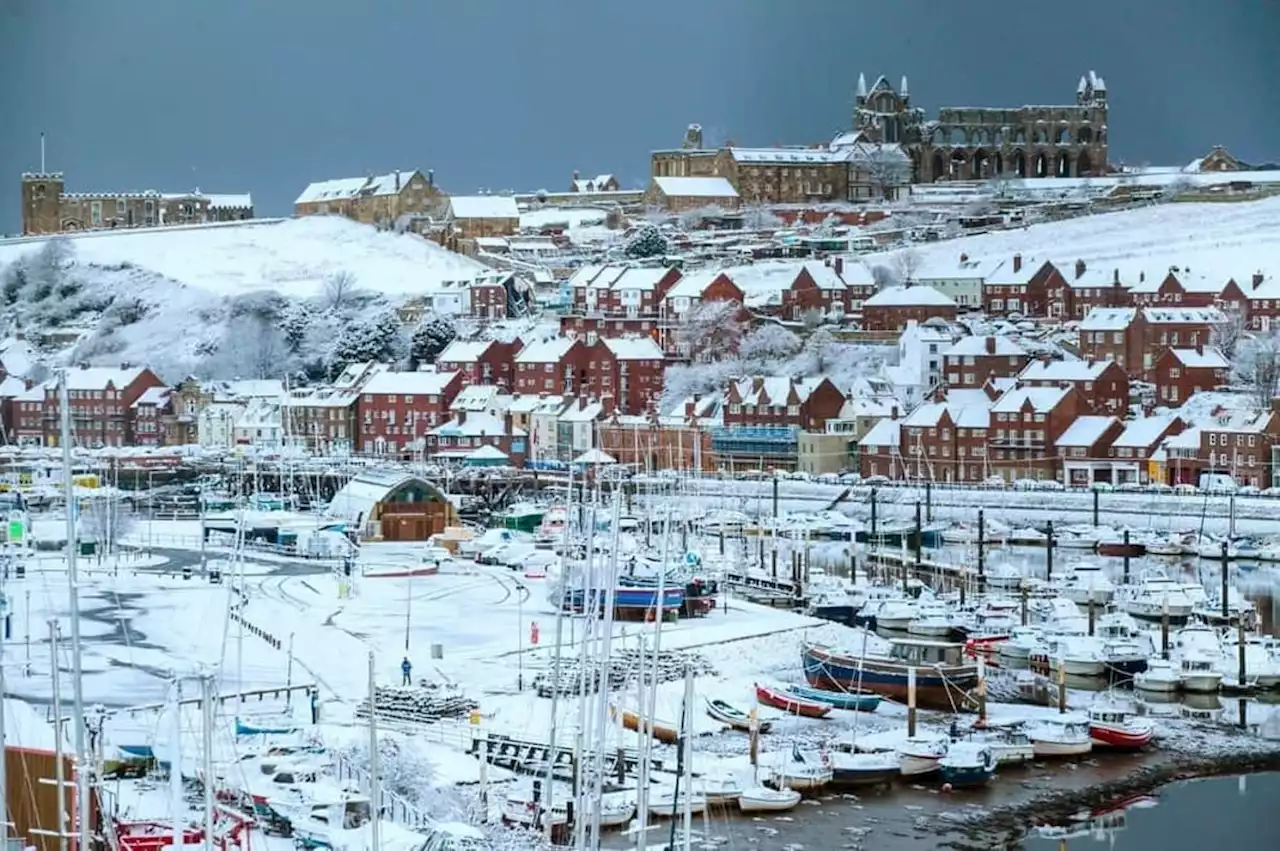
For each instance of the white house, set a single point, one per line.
(920, 363)
(259, 425)
(216, 424)
(960, 280)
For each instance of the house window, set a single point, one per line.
(1175, 372)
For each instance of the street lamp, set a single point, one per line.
(520, 631)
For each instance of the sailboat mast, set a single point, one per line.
(555, 671)
(73, 594)
(648, 702)
(59, 776)
(206, 731)
(375, 781)
(607, 599)
(175, 765)
(687, 746)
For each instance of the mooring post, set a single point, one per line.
(1091, 613)
(762, 551)
(911, 702)
(1062, 686)
(721, 536)
(1126, 554)
(1241, 673)
(1096, 494)
(1226, 608)
(928, 501)
(873, 517)
(775, 497)
(1048, 551)
(982, 555)
(919, 542)
(1164, 631)
(774, 554)
(1022, 588)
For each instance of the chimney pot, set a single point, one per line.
(964, 257)
(839, 266)
(1017, 263)
(1080, 268)
(431, 177)
(1199, 348)
(991, 345)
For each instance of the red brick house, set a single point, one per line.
(1133, 337)
(891, 308)
(487, 300)
(591, 328)
(1236, 443)
(1103, 384)
(396, 409)
(1105, 336)
(1135, 449)
(696, 288)
(761, 401)
(639, 291)
(1026, 424)
(816, 286)
(101, 404)
(972, 360)
(146, 416)
(1176, 288)
(1072, 295)
(626, 373)
(944, 442)
(649, 444)
(1017, 287)
(557, 365)
(480, 361)
(1084, 449)
(1180, 373)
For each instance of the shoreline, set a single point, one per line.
(1010, 823)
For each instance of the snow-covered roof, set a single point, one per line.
(1144, 432)
(1182, 315)
(695, 187)
(693, 284)
(239, 201)
(463, 351)
(633, 348)
(550, 350)
(476, 424)
(420, 383)
(578, 411)
(483, 207)
(909, 297)
(1108, 319)
(1202, 358)
(487, 453)
(883, 433)
(595, 456)
(592, 184)
(643, 278)
(98, 378)
(1000, 346)
(155, 396)
(1086, 431)
(1063, 370)
(1042, 399)
(774, 390)
(583, 275)
(955, 269)
(480, 397)
(354, 501)
(345, 188)
(25, 727)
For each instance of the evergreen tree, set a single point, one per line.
(15, 281)
(649, 242)
(376, 339)
(294, 322)
(429, 339)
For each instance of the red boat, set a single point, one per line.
(1114, 727)
(791, 703)
(1119, 549)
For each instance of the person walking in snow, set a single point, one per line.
(406, 671)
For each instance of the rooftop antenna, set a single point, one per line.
(42, 153)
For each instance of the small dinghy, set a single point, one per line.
(727, 713)
(864, 769)
(863, 701)
(762, 799)
(615, 810)
(249, 728)
(663, 731)
(968, 765)
(792, 704)
(1061, 736)
(718, 791)
(920, 755)
(664, 803)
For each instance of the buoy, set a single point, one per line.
(946, 787)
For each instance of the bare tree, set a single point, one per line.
(884, 276)
(1228, 333)
(887, 169)
(812, 318)
(104, 520)
(1180, 186)
(338, 289)
(252, 348)
(760, 218)
(906, 263)
(711, 330)
(1257, 366)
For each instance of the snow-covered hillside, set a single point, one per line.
(292, 257)
(1212, 239)
(173, 297)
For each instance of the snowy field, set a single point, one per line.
(1218, 240)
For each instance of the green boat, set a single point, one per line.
(523, 518)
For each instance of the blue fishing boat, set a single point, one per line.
(630, 603)
(968, 765)
(243, 729)
(137, 751)
(864, 701)
(944, 676)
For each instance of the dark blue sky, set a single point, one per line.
(266, 95)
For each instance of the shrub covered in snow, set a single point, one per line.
(648, 242)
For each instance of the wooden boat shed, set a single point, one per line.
(392, 505)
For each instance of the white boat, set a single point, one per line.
(664, 803)
(1022, 642)
(1157, 597)
(920, 755)
(1009, 743)
(1198, 673)
(1074, 655)
(521, 810)
(1064, 735)
(615, 810)
(1209, 610)
(896, 614)
(1167, 545)
(762, 799)
(933, 620)
(1078, 538)
(718, 791)
(1087, 582)
(1160, 677)
(791, 770)
(1210, 547)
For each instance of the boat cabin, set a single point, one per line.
(921, 652)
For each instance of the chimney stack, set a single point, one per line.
(838, 265)
(964, 258)
(431, 177)
(1200, 348)
(991, 345)
(1017, 263)
(397, 180)
(1257, 280)
(1080, 267)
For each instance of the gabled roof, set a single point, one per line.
(156, 396)
(977, 346)
(695, 187)
(1144, 432)
(1063, 370)
(550, 350)
(1042, 399)
(1108, 319)
(421, 383)
(909, 297)
(1085, 431)
(97, 378)
(476, 424)
(955, 269)
(464, 351)
(883, 433)
(644, 278)
(483, 207)
(633, 348)
(1201, 358)
(346, 188)
(1183, 315)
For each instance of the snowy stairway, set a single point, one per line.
(525, 756)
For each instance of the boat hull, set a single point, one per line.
(792, 704)
(918, 766)
(734, 717)
(757, 801)
(966, 776)
(1120, 738)
(937, 686)
(664, 732)
(1156, 685)
(1201, 683)
(861, 702)
(1051, 747)
(1119, 549)
(806, 782)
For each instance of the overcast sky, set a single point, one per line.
(247, 95)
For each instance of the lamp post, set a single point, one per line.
(520, 630)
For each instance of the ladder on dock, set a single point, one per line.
(525, 756)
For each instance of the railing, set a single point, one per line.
(390, 806)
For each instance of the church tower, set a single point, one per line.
(41, 203)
